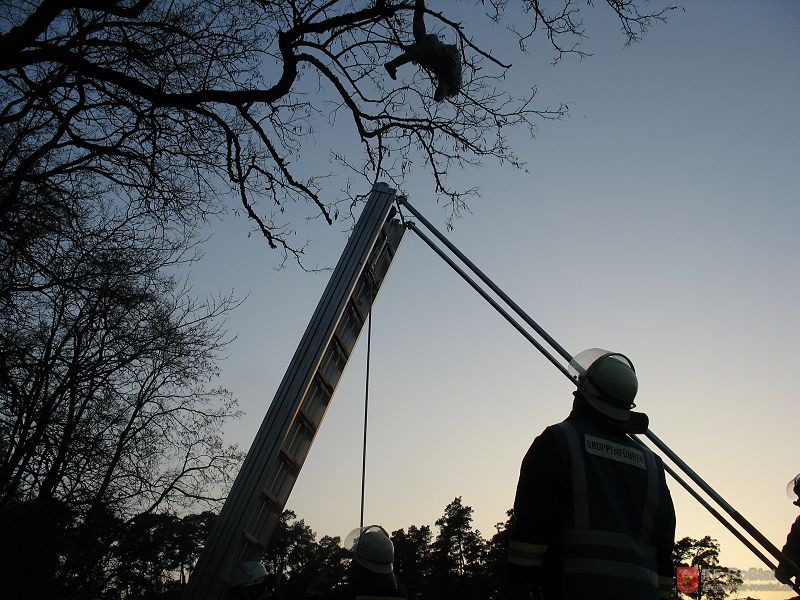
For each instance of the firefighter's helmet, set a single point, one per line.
(371, 548)
(249, 574)
(607, 381)
(793, 489)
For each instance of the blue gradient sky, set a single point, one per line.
(660, 219)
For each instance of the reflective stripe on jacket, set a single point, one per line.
(525, 554)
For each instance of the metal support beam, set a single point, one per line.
(262, 487)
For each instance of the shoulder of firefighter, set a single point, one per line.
(593, 517)
(792, 546)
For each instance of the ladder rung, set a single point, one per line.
(307, 420)
(270, 499)
(340, 349)
(326, 385)
(290, 461)
(251, 539)
(354, 305)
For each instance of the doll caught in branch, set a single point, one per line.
(428, 51)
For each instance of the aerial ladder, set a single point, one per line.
(260, 491)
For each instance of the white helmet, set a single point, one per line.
(608, 382)
(371, 548)
(247, 574)
(793, 489)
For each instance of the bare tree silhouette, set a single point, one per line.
(169, 104)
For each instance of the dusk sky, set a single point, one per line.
(660, 219)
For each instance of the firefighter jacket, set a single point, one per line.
(792, 551)
(593, 516)
(366, 585)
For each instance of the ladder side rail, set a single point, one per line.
(310, 411)
(269, 438)
(485, 279)
(229, 538)
(309, 352)
(728, 525)
(485, 295)
(732, 512)
(713, 511)
(314, 401)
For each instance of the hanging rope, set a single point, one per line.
(366, 404)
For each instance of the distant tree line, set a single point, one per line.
(151, 558)
(452, 561)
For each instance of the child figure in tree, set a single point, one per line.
(428, 51)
